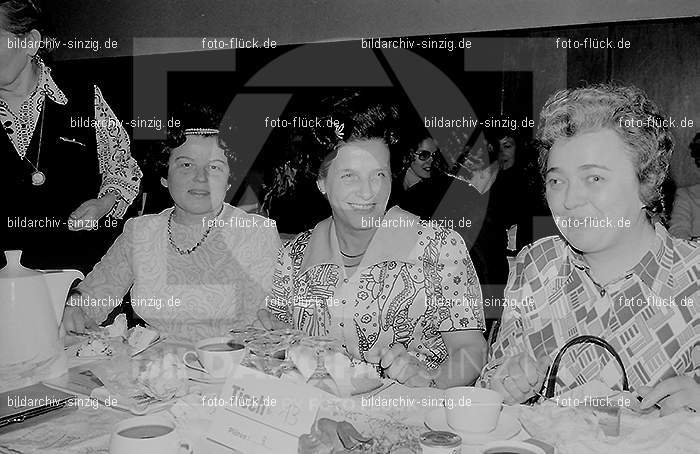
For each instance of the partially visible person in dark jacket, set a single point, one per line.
(685, 218)
(483, 202)
(65, 154)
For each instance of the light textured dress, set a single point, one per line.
(219, 286)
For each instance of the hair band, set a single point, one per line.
(201, 131)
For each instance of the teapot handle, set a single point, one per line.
(551, 379)
(59, 283)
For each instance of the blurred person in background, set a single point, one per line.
(487, 196)
(419, 188)
(685, 217)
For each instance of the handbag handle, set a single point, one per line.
(551, 379)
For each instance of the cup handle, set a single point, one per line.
(193, 365)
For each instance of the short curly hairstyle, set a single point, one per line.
(189, 116)
(626, 110)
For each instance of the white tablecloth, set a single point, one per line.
(86, 430)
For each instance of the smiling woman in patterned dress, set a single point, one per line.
(614, 272)
(395, 290)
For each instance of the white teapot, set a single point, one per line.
(31, 309)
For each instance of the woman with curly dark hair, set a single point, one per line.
(614, 272)
(198, 268)
(398, 292)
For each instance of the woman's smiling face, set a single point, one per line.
(358, 183)
(592, 189)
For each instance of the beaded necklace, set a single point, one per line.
(199, 243)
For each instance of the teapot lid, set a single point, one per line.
(14, 268)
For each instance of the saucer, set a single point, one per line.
(202, 377)
(512, 446)
(508, 426)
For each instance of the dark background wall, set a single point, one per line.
(663, 59)
(306, 21)
(517, 72)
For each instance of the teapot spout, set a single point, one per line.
(59, 283)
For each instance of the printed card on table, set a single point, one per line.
(259, 413)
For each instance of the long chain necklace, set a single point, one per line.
(199, 243)
(38, 177)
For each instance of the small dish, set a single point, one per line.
(74, 348)
(507, 427)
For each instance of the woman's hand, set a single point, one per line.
(270, 322)
(90, 212)
(520, 377)
(403, 367)
(680, 393)
(76, 320)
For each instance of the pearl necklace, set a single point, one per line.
(199, 243)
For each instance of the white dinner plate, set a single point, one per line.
(72, 343)
(508, 426)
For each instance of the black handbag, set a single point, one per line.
(551, 378)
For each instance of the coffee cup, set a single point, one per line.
(147, 435)
(216, 356)
(474, 410)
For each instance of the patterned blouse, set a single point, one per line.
(219, 286)
(415, 281)
(651, 316)
(120, 172)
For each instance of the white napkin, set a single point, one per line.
(576, 431)
(304, 358)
